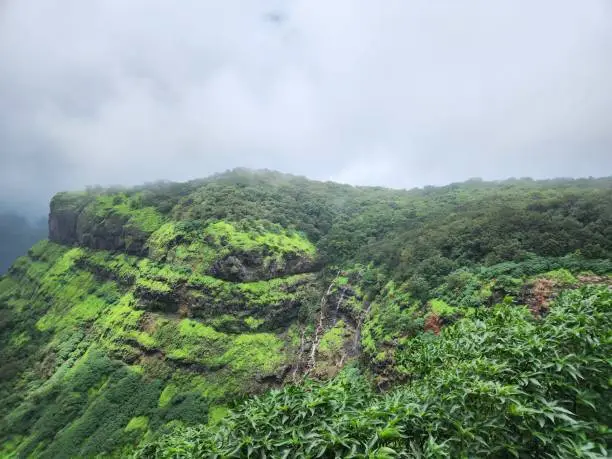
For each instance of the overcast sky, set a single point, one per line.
(393, 92)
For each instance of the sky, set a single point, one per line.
(393, 93)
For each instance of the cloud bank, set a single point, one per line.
(391, 93)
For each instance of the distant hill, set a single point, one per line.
(17, 235)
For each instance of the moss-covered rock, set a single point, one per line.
(115, 222)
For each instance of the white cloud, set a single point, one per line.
(394, 93)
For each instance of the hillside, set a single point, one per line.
(441, 321)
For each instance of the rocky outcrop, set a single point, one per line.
(73, 220)
(63, 217)
(247, 267)
(110, 233)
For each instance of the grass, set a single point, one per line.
(146, 219)
(167, 395)
(153, 286)
(253, 323)
(257, 238)
(252, 353)
(137, 423)
(442, 308)
(562, 277)
(162, 239)
(333, 339)
(199, 247)
(195, 330)
(71, 303)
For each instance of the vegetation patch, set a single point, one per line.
(266, 237)
(441, 308)
(152, 311)
(254, 353)
(144, 218)
(561, 277)
(482, 377)
(137, 423)
(167, 395)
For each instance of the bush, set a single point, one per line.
(499, 385)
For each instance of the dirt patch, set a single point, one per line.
(433, 323)
(597, 280)
(147, 323)
(540, 295)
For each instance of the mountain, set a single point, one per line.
(373, 322)
(17, 235)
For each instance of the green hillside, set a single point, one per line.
(266, 315)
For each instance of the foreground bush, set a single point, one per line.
(502, 384)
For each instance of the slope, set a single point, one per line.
(155, 307)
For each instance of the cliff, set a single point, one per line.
(158, 306)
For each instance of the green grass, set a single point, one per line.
(253, 323)
(199, 247)
(137, 423)
(153, 286)
(273, 238)
(441, 308)
(167, 395)
(332, 341)
(71, 302)
(195, 331)
(252, 353)
(146, 219)
(560, 276)
(191, 341)
(162, 239)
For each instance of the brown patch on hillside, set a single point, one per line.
(433, 323)
(594, 279)
(540, 294)
(147, 323)
(184, 311)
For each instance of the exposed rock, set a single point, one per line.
(233, 269)
(62, 227)
(276, 378)
(167, 302)
(63, 217)
(110, 233)
(73, 221)
(248, 266)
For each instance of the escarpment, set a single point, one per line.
(234, 280)
(153, 309)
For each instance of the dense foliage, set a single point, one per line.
(151, 310)
(86, 350)
(498, 384)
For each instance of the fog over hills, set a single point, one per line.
(113, 92)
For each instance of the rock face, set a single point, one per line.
(80, 219)
(62, 227)
(110, 233)
(63, 219)
(247, 267)
(71, 227)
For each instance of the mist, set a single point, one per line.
(398, 94)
